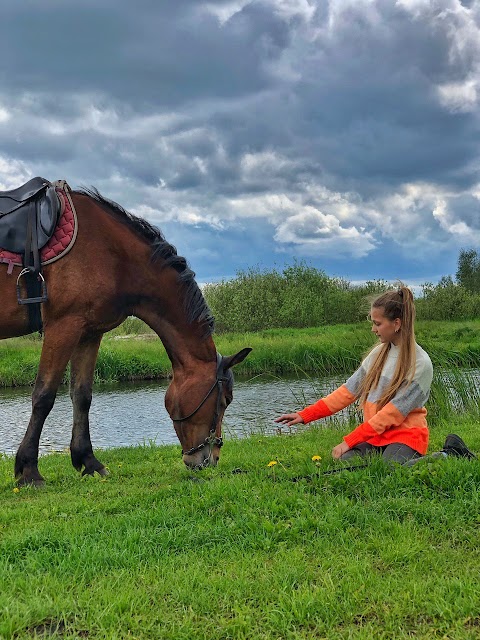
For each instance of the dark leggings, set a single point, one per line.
(395, 452)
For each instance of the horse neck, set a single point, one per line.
(146, 288)
(187, 343)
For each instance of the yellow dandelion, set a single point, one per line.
(316, 458)
(272, 463)
(16, 490)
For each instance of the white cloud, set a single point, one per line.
(293, 8)
(4, 115)
(333, 227)
(413, 5)
(264, 165)
(406, 216)
(314, 232)
(460, 231)
(13, 173)
(189, 215)
(223, 12)
(459, 97)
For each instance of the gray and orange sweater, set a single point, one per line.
(401, 420)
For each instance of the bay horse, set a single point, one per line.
(120, 265)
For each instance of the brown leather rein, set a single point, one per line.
(212, 439)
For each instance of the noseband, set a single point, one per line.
(211, 439)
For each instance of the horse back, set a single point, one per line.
(89, 283)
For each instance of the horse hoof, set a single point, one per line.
(91, 472)
(30, 482)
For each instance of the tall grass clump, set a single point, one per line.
(132, 327)
(19, 358)
(321, 351)
(455, 391)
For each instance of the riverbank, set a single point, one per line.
(246, 550)
(323, 351)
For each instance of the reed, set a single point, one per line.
(454, 391)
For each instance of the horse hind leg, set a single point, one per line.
(56, 351)
(82, 365)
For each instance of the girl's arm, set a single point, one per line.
(337, 400)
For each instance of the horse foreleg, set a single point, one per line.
(56, 351)
(83, 362)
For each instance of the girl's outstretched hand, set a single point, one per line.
(289, 419)
(339, 450)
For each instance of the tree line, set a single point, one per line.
(302, 296)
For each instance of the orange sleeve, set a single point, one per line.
(335, 401)
(362, 433)
(389, 416)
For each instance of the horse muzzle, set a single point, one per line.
(206, 457)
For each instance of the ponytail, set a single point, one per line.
(396, 303)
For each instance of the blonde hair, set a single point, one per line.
(396, 303)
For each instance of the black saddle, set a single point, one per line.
(28, 216)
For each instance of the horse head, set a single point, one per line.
(197, 411)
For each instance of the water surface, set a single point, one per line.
(134, 413)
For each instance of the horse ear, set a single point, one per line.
(231, 361)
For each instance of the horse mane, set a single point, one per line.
(196, 306)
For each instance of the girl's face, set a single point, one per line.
(385, 329)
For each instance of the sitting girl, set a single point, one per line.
(392, 385)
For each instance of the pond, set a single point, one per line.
(129, 414)
(134, 413)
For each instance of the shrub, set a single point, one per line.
(300, 296)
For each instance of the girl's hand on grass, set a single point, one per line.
(289, 419)
(339, 450)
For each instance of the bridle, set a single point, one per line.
(212, 439)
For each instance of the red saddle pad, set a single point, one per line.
(59, 244)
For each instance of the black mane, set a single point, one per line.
(195, 305)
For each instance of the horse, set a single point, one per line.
(120, 265)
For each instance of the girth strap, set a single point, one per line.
(34, 282)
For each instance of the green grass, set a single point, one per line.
(126, 354)
(244, 551)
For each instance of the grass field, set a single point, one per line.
(244, 550)
(248, 550)
(323, 351)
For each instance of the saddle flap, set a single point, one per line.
(15, 198)
(47, 218)
(38, 199)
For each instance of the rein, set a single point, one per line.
(211, 439)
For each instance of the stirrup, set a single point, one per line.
(42, 298)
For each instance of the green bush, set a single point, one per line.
(447, 301)
(298, 297)
(302, 296)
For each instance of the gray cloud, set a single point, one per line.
(335, 127)
(151, 56)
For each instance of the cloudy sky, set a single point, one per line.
(254, 132)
